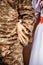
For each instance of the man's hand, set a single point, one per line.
(21, 30)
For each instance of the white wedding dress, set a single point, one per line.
(36, 57)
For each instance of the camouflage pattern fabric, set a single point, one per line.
(10, 48)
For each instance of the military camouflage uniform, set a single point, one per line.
(11, 50)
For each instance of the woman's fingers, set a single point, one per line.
(22, 40)
(26, 38)
(24, 29)
(21, 27)
(22, 37)
(21, 30)
(22, 34)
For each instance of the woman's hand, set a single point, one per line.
(21, 31)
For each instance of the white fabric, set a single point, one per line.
(36, 7)
(36, 57)
(34, 3)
